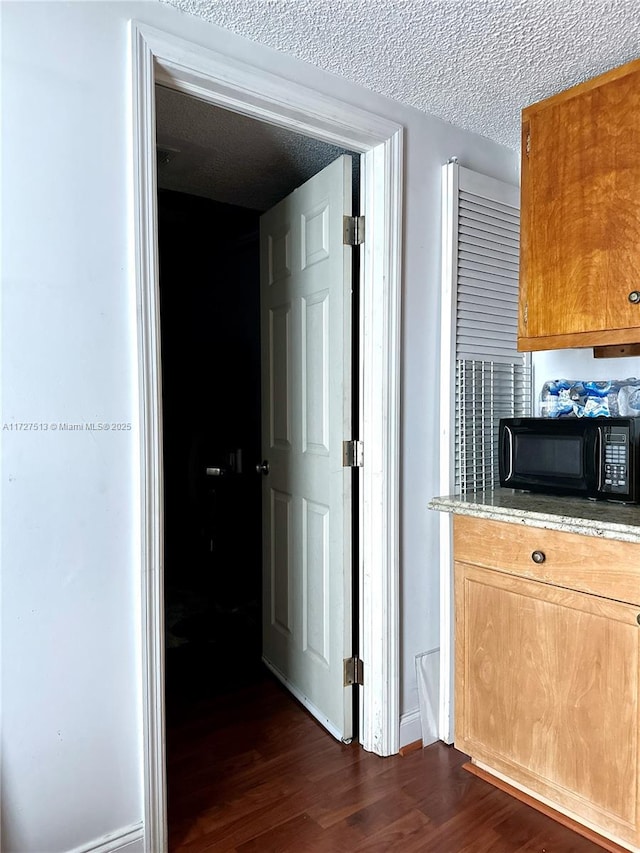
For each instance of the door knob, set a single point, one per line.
(538, 557)
(215, 472)
(634, 296)
(263, 468)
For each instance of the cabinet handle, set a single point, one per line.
(634, 296)
(538, 557)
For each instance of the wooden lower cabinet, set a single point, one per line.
(547, 685)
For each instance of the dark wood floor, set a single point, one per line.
(252, 771)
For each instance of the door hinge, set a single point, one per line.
(527, 146)
(352, 454)
(353, 671)
(353, 230)
(526, 314)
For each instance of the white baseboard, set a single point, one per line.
(129, 839)
(410, 727)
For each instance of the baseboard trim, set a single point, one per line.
(410, 747)
(540, 806)
(410, 727)
(129, 839)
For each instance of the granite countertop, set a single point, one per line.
(604, 519)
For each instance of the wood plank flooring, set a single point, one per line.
(252, 771)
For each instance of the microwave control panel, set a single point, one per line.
(616, 459)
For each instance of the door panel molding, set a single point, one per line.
(319, 395)
(158, 57)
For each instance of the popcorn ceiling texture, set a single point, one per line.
(229, 157)
(474, 63)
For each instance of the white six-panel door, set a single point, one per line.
(306, 415)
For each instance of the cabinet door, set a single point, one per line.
(580, 240)
(547, 693)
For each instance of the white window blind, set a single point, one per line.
(490, 379)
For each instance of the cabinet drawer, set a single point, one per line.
(602, 567)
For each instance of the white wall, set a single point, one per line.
(71, 686)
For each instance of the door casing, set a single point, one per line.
(159, 57)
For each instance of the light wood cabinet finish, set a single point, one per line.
(548, 678)
(580, 215)
(602, 567)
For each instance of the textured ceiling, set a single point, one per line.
(229, 157)
(474, 63)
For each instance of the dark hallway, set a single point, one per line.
(209, 284)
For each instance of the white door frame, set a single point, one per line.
(159, 57)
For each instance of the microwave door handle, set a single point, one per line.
(508, 454)
(598, 456)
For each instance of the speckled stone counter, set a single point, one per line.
(603, 519)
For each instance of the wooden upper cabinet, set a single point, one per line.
(580, 215)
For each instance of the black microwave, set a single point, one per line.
(595, 458)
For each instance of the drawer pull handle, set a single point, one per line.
(538, 557)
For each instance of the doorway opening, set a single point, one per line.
(209, 261)
(211, 354)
